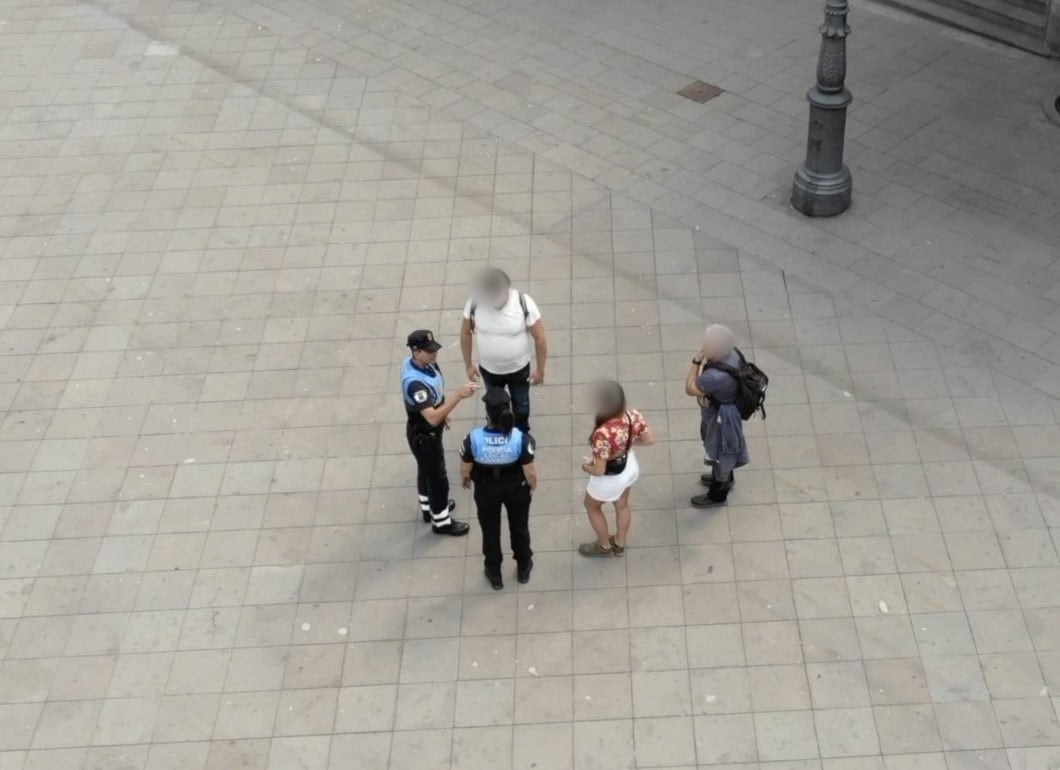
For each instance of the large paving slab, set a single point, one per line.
(219, 222)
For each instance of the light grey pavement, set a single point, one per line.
(220, 220)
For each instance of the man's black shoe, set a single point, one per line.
(708, 478)
(705, 501)
(523, 573)
(495, 579)
(454, 528)
(427, 514)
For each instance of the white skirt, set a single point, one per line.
(607, 489)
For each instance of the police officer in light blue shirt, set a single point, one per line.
(499, 459)
(422, 389)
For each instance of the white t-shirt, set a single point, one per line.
(502, 336)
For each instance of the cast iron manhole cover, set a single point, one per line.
(698, 91)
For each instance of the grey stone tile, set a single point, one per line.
(725, 738)
(907, 729)
(829, 639)
(551, 744)
(1026, 722)
(837, 685)
(846, 732)
(956, 678)
(606, 741)
(886, 637)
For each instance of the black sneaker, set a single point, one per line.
(454, 528)
(523, 573)
(427, 513)
(495, 579)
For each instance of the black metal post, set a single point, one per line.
(823, 186)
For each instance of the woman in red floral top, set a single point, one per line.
(612, 468)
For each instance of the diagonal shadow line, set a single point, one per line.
(979, 347)
(777, 347)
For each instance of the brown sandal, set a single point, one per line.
(594, 549)
(617, 549)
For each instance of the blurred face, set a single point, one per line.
(716, 344)
(492, 290)
(710, 348)
(605, 400)
(424, 357)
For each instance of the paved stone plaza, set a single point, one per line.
(220, 219)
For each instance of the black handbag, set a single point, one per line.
(616, 465)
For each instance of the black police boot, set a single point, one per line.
(454, 528)
(494, 576)
(522, 574)
(427, 513)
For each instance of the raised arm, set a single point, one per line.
(436, 415)
(692, 378)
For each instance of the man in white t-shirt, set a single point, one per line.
(506, 324)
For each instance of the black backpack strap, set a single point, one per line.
(522, 304)
(732, 371)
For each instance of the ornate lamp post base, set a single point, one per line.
(817, 195)
(823, 185)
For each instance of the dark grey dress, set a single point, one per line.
(721, 427)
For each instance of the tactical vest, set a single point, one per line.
(495, 454)
(432, 378)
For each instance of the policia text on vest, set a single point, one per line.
(499, 459)
(427, 410)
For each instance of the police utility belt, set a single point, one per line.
(480, 472)
(420, 428)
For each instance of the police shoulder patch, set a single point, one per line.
(420, 396)
(530, 448)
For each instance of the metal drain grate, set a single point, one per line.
(701, 92)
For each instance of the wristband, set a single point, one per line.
(697, 361)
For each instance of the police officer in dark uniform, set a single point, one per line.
(428, 417)
(499, 459)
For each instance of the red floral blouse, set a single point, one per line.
(613, 437)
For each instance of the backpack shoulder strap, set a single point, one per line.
(471, 313)
(522, 304)
(732, 371)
